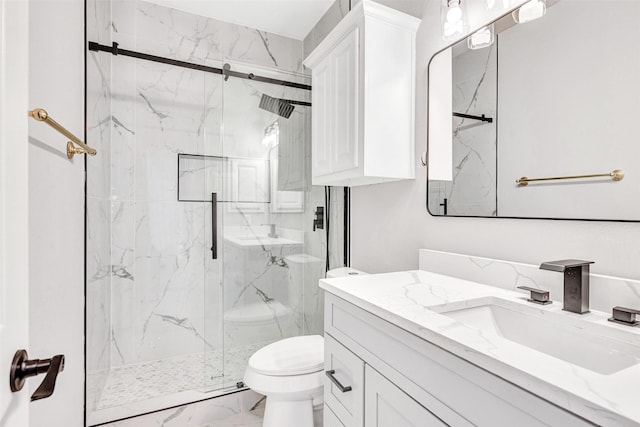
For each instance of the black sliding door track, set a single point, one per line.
(115, 50)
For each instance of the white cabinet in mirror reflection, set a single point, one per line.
(440, 154)
(363, 98)
(249, 184)
(282, 201)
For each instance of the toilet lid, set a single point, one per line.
(291, 356)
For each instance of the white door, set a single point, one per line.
(321, 122)
(387, 405)
(14, 283)
(345, 81)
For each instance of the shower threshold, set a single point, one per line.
(141, 388)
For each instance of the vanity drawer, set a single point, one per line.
(343, 383)
(330, 419)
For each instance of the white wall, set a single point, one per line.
(547, 57)
(390, 222)
(56, 207)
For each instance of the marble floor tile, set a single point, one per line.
(245, 419)
(199, 371)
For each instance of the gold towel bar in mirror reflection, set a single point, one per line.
(75, 146)
(615, 175)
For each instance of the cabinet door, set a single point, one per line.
(345, 80)
(346, 370)
(386, 405)
(330, 419)
(322, 116)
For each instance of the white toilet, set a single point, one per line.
(290, 373)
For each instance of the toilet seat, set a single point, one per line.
(290, 357)
(293, 387)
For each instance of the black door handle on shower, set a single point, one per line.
(214, 225)
(22, 368)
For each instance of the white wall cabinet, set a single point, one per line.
(398, 379)
(364, 98)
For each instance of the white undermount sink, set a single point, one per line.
(547, 332)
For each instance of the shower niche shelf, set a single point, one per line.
(241, 181)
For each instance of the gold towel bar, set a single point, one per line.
(42, 116)
(616, 175)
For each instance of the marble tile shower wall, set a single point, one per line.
(336, 12)
(473, 189)
(152, 292)
(98, 234)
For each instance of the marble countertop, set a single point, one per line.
(411, 299)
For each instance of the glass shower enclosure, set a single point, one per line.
(200, 244)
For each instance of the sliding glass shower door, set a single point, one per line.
(153, 288)
(201, 247)
(260, 214)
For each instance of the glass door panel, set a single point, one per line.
(267, 139)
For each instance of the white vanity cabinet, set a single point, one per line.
(361, 396)
(363, 98)
(347, 370)
(398, 379)
(386, 405)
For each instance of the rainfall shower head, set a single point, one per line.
(276, 106)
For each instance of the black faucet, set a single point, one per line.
(272, 230)
(576, 283)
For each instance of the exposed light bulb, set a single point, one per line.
(529, 11)
(454, 15)
(453, 19)
(482, 38)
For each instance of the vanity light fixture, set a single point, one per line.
(499, 4)
(482, 38)
(454, 19)
(529, 11)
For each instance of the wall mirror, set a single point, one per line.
(537, 119)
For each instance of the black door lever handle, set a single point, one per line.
(22, 368)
